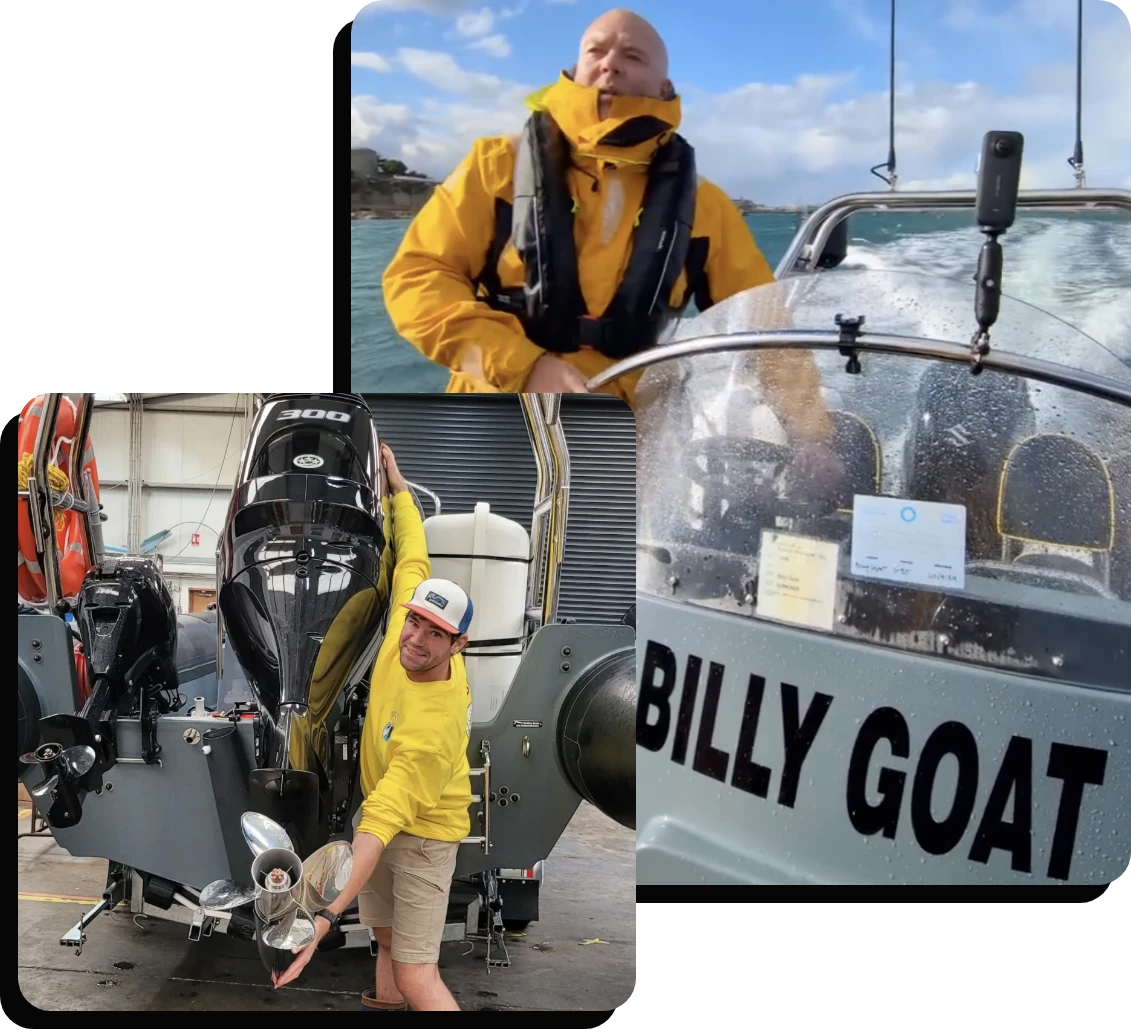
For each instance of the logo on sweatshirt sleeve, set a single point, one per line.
(387, 731)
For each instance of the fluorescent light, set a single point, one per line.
(111, 398)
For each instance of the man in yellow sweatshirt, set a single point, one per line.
(414, 776)
(546, 257)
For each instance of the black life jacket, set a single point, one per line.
(550, 304)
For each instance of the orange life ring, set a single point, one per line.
(74, 561)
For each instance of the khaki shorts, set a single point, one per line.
(409, 891)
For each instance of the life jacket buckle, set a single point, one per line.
(592, 332)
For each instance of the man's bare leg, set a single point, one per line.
(423, 988)
(387, 991)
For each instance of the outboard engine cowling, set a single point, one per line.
(304, 578)
(128, 625)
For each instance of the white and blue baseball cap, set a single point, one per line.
(443, 602)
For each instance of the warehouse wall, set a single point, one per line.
(190, 450)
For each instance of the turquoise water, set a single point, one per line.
(1078, 268)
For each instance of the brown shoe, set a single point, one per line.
(369, 1000)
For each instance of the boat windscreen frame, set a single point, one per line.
(875, 342)
(802, 257)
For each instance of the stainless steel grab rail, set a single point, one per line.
(1033, 368)
(820, 224)
(551, 503)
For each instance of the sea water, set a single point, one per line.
(1077, 267)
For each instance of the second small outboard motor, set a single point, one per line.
(956, 449)
(128, 624)
(303, 590)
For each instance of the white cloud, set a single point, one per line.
(430, 6)
(855, 15)
(443, 72)
(360, 59)
(1040, 14)
(386, 128)
(496, 45)
(475, 23)
(506, 13)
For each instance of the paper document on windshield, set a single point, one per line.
(909, 541)
(797, 579)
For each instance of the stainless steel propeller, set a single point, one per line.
(261, 833)
(72, 763)
(226, 895)
(283, 890)
(58, 766)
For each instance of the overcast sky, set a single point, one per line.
(784, 102)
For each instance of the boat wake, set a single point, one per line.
(1077, 268)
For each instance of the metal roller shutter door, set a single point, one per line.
(440, 441)
(599, 567)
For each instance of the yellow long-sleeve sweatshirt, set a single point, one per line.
(414, 770)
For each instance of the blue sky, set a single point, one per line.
(784, 102)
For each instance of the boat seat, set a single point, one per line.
(1119, 469)
(963, 432)
(1056, 496)
(855, 443)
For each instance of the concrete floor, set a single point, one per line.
(150, 965)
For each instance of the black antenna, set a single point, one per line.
(891, 178)
(1077, 158)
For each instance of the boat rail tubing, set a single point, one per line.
(559, 510)
(874, 342)
(437, 507)
(82, 482)
(40, 506)
(542, 412)
(826, 217)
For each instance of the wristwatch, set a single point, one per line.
(330, 917)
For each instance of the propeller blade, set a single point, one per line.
(262, 833)
(290, 933)
(77, 761)
(47, 788)
(326, 872)
(273, 907)
(226, 895)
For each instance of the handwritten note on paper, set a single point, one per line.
(797, 579)
(909, 541)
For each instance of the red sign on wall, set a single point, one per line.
(195, 539)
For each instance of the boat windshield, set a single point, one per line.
(908, 502)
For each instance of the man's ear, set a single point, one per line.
(460, 644)
(572, 72)
(667, 90)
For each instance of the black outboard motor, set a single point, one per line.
(128, 625)
(304, 582)
(957, 447)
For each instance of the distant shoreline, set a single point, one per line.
(381, 216)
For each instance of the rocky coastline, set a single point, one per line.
(383, 189)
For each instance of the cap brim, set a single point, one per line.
(434, 618)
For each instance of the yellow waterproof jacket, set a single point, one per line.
(428, 287)
(414, 771)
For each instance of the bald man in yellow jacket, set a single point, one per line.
(540, 260)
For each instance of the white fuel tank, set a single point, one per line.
(488, 555)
